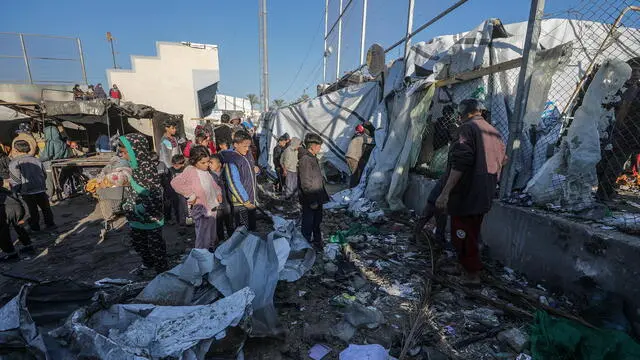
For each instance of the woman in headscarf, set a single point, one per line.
(143, 203)
(55, 147)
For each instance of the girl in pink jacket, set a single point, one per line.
(197, 184)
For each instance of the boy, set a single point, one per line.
(223, 145)
(312, 191)
(178, 203)
(12, 213)
(224, 217)
(169, 143)
(240, 174)
(278, 150)
(28, 179)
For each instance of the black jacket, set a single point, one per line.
(310, 180)
(277, 155)
(479, 154)
(11, 207)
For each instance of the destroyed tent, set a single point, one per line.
(563, 46)
(333, 116)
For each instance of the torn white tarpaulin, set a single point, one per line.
(333, 116)
(145, 331)
(247, 260)
(568, 177)
(19, 336)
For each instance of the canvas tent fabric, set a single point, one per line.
(333, 116)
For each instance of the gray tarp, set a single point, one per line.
(88, 107)
(333, 116)
(19, 332)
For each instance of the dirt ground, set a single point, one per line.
(380, 269)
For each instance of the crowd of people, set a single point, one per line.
(97, 92)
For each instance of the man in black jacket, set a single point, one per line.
(283, 141)
(476, 158)
(312, 191)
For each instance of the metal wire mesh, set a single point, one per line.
(587, 140)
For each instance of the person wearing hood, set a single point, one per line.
(289, 165)
(24, 133)
(99, 93)
(55, 148)
(313, 194)
(240, 174)
(143, 202)
(358, 153)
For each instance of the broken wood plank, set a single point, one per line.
(470, 75)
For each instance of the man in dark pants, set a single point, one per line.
(240, 175)
(283, 140)
(312, 191)
(28, 179)
(475, 162)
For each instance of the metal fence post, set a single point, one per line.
(26, 59)
(339, 41)
(407, 41)
(84, 69)
(324, 54)
(363, 33)
(524, 81)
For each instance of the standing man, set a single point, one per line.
(312, 191)
(169, 146)
(277, 156)
(240, 173)
(358, 154)
(115, 94)
(475, 162)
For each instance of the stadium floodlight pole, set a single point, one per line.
(26, 59)
(113, 52)
(363, 32)
(324, 55)
(265, 59)
(339, 41)
(84, 68)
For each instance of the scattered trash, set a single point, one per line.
(358, 315)
(449, 330)
(401, 290)
(108, 282)
(523, 356)
(362, 352)
(301, 293)
(340, 237)
(319, 351)
(331, 251)
(483, 316)
(343, 300)
(515, 338)
(330, 268)
(343, 331)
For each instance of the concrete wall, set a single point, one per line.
(32, 93)
(553, 249)
(169, 81)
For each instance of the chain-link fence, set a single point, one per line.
(41, 59)
(586, 140)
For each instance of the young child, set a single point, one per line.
(28, 179)
(224, 215)
(197, 184)
(143, 202)
(223, 145)
(178, 202)
(165, 180)
(12, 213)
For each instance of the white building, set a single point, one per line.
(181, 79)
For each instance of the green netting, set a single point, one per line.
(340, 237)
(562, 339)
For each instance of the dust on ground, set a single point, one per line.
(368, 294)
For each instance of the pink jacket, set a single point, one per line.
(188, 183)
